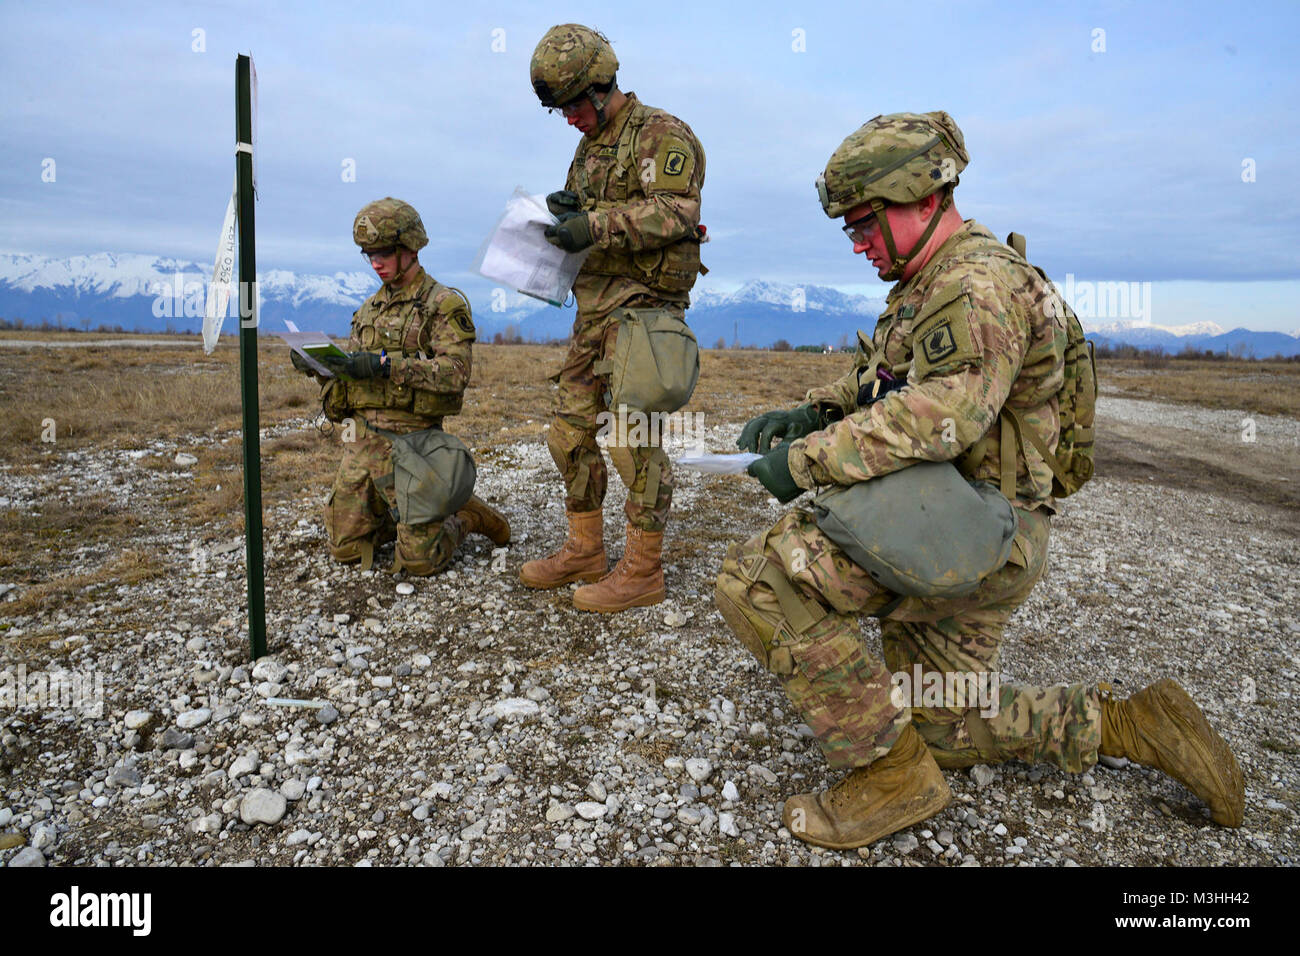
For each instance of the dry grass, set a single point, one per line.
(1266, 388)
(129, 567)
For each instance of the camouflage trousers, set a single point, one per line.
(794, 599)
(645, 470)
(359, 512)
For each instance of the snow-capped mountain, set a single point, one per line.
(134, 292)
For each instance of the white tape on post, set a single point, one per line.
(219, 290)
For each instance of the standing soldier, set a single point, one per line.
(633, 197)
(408, 367)
(971, 343)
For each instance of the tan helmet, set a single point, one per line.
(570, 61)
(898, 158)
(389, 222)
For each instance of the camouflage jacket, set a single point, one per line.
(973, 330)
(426, 329)
(639, 178)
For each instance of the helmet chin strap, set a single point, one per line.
(898, 264)
(400, 277)
(599, 104)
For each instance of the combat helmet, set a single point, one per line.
(898, 158)
(571, 61)
(389, 222)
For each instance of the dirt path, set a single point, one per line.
(1199, 449)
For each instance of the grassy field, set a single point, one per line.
(167, 399)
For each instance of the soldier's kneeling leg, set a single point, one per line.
(842, 694)
(426, 549)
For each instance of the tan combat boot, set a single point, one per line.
(481, 518)
(1162, 727)
(901, 788)
(636, 581)
(581, 558)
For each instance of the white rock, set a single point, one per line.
(293, 789)
(383, 682)
(699, 769)
(297, 837)
(5, 816)
(590, 810)
(515, 708)
(405, 587)
(245, 764)
(42, 836)
(1115, 763)
(185, 460)
(209, 824)
(263, 806)
(194, 718)
(675, 764)
(135, 719)
(982, 775)
(727, 825)
(675, 618)
(474, 830)
(195, 644)
(558, 812)
(269, 669)
(441, 790)
(27, 856)
(729, 791)
(596, 790)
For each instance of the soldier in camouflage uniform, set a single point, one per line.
(408, 366)
(969, 328)
(633, 197)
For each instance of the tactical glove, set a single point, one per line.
(357, 365)
(565, 200)
(572, 233)
(773, 470)
(300, 363)
(757, 436)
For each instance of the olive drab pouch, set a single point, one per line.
(924, 531)
(656, 361)
(433, 474)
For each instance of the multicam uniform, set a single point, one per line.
(971, 331)
(639, 178)
(426, 330)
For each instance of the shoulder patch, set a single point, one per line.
(674, 163)
(943, 335)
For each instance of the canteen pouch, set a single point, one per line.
(923, 531)
(433, 475)
(656, 361)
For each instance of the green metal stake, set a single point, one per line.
(248, 357)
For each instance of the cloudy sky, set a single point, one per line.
(1133, 142)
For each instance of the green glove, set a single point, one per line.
(757, 436)
(572, 233)
(773, 470)
(300, 363)
(565, 200)
(357, 365)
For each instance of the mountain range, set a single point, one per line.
(143, 293)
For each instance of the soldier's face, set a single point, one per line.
(906, 223)
(581, 114)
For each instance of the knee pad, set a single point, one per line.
(768, 638)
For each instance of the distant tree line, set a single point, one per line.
(1158, 357)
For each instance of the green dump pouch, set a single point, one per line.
(655, 364)
(924, 531)
(433, 474)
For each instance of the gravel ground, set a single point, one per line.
(472, 721)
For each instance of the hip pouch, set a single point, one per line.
(924, 531)
(656, 361)
(433, 474)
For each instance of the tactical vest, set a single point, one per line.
(397, 331)
(1072, 462)
(670, 269)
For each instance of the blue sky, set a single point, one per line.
(1122, 164)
